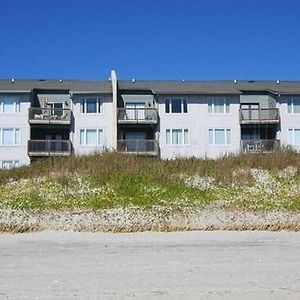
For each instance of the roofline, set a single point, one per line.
(15, 91)
(89, 92)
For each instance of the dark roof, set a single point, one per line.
(211, 87)
(75, 86)
(157, 87)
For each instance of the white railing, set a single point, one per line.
(138, 115)
(38, 115)
(138, 146)
(260, 145)
(49, 147)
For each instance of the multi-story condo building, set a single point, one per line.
(168, 119)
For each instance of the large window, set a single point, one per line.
(177, 136)
(9, 164)
(219, 136)
(9, 105)
(176, 106)
(91, 106)
(218, 105)
(91, 137)
(10, 137)
(294, 105)
(294, 136)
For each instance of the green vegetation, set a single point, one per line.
(258, 182)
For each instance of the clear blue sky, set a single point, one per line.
(150, 39)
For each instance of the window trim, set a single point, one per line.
(183, 139)
(212, 104)
(83, 106)
(99, 143)
(15, 163)
(291, 100)
(293, 132)
(17, 105)
(16, 143)
(226, 130)
(184, 103)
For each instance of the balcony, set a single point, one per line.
(259, 115)
(49, 147)
(255, 146)
(139, 147)
(58, 116)
(137, 116)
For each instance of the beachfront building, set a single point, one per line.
(166, 119)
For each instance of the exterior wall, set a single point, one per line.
(287, 120)
(198, 121)
(264, 101)
(17, 120)
(102, 121)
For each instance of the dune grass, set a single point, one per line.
(116, 180)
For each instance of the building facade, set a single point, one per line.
(167, 119)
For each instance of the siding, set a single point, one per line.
(17, 120)
(198, 121)
(103, 121)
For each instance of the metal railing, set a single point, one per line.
(259, 114)
(260, 145)
(39, 115)
(137, 146)
(49, 147)
(137, 115)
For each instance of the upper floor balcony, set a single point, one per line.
(137, 116)
(138, 147)
(259, 115)
(58, 116)
(49, 148)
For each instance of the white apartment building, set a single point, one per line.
(167, 119)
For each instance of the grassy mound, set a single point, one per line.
(259, 182)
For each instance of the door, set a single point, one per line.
(250, 111)
(54, 143)
(55, 109)
(135, 141)
(135, 111)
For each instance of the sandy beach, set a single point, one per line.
(149, 265)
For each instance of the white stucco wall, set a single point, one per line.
(287, 120)
(102, 121)
(16, 120)
(198, 121)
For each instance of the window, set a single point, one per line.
(10, 137)
(177, 136)
(294, 136)
(91, 137)
(91, 106)
(176, 106)
(293, 105)
(9, 164)
(9, 105)
(219, 105)
(219, 136)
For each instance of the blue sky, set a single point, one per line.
(150, 39)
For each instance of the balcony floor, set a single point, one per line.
(245, 122)
(43, 153)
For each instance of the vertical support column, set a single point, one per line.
(114, 85)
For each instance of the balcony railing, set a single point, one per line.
(49, 147)
(141, 147)
(137, 115)
(38, 115)
(259, 115)
(260, 145)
